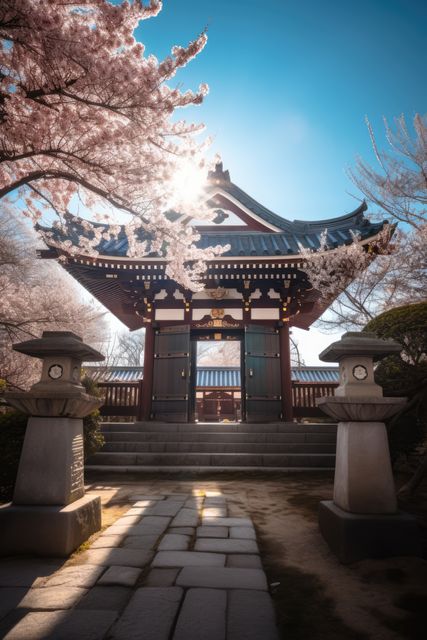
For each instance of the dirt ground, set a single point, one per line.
(316, 597)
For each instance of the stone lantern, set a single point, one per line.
(363, 519)
(50, 514)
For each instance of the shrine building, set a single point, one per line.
(254, 293)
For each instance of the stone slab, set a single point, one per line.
(222, 578)
(146, 543)
(227, 522)
(142, 529)
(10, 597)
(243, 561)
(165, 508)
(218, 545)
(127, 519)
(109, 557)
(149, 615)
(353, 537)
(107, 598)
(250, 615)
(60, 625)
(174, 542)
(161, 522)
(51, 598)
(144, 501)
(161, 577)
(77, 576)
(24, 572)
(212, 532)
(215, 512)
(186, 518)
(194, 503)
(243, 533)
(48, 531)
(120, 576)
(135, 511)
(202, 616)
(185, 531)
(107, 541)
(188, 559)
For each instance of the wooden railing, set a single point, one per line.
(304, 396)
(123, 398)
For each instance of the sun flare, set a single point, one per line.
(188, 183)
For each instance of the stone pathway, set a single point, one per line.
(173, 567)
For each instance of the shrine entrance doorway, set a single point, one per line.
(174, 390)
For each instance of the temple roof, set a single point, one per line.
(262, 233)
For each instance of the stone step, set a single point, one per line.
(320, 460)
(196, 436)
(217, 447)
(103, 469)
(219, 427)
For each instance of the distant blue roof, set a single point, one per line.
(208, 377)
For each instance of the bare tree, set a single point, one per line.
(129, 348)
(399, 187)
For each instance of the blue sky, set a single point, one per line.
(290, 85)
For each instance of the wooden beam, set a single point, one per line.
(285, 373)
(147, 387)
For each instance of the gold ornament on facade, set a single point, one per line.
(217, 294)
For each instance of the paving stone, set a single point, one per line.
(188, 559)
(143, 529)
(174, 542)
(185, 531)
(250, 615)
(149, 615)
(227, 522)
(222, 578)
(108, 598)
(161, 578)
(128, 519)
(141, 542)
(120, 576)
(141, 501)
(51, 598)
(212, 532)
(165, 508)
(202, 616)
(215, 495)
(108, 557)
(19, 572)
(244, 561)
(243, 533)
(107, 541)
(186, 518)
(214, 512)
(215, 501)
(218, 545)
(119, 529)
(155, 521)
(135, 511)
(194, 503)
(10, 597)
(63, 625)
(178, 496)
(84, 576)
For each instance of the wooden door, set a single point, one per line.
(171, 374)
(262, 374)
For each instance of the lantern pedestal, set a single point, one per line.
(54, 530)
(356, 536)
(50, 515)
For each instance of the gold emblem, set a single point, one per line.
(217, 294)
(217, 313)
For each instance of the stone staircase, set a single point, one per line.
(154, 446)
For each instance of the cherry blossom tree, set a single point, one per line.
(35, 296)
(85, 114)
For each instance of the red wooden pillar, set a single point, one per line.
(285, 373)
(147, 387)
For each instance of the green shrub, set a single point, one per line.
(12, 432)
(405, 374)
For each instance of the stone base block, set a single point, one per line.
(353, 537)
(48, 530)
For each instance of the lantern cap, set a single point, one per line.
(59, 343)
(359, 343)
